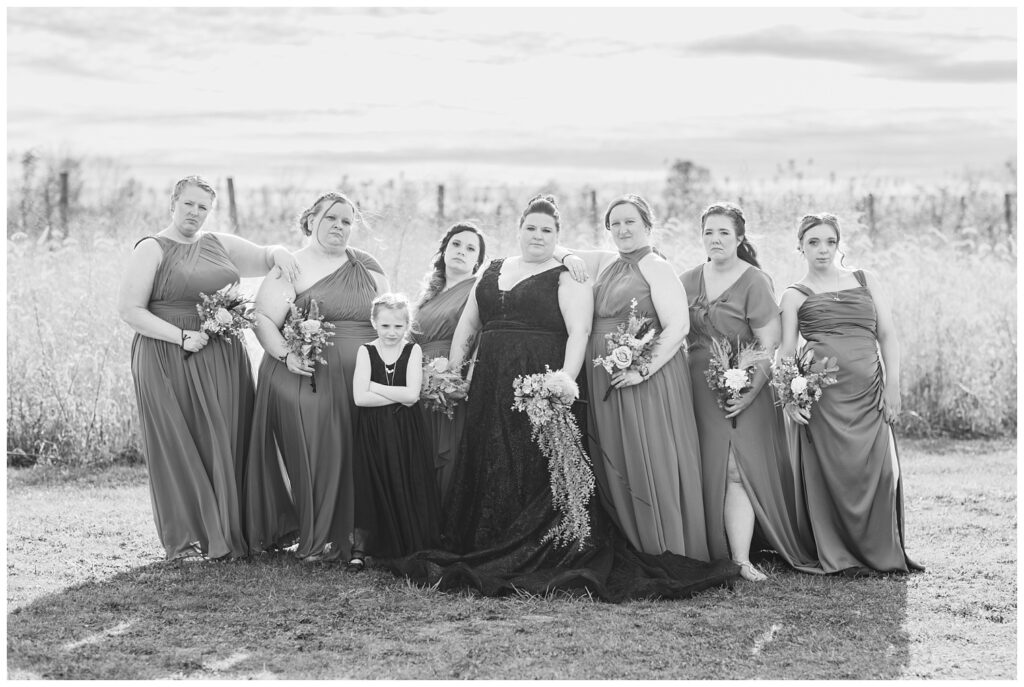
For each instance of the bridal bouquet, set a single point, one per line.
(800, 381)
(442, 388)
(306, 335)
(731, 374)
(227, 313)
(630, 346)
(546, 398)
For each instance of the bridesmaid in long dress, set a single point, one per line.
(646, 451)
(437, 314)
(851, 470)
(747, 474)
(194, 412)
(310, 431)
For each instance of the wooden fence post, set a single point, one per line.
(593, 207)
(232, 208)
(871, 215)
(440, 201)
(963, 213)
(1008, 213)
(64, 203)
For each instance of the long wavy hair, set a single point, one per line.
(434, 281)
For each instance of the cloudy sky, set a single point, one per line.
(510, 93)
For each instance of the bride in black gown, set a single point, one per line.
(529, 313)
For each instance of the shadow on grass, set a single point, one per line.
(274, 617)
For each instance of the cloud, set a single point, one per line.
(927, 57)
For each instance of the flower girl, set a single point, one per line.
(397, 507)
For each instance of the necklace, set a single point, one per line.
(389, 372)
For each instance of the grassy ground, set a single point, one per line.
(88, 598)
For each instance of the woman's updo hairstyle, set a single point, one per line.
(435, 281)
(641, 205)
(544, 204)
(192, 180)
(745, 250)
(311, 211)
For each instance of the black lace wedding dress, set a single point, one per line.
(499, 507)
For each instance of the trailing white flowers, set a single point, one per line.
(546, 398)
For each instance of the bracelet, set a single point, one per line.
(184, 336)
(283, 358)
(567, 254)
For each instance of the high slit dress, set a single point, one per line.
(758, 441)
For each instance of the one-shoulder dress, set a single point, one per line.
(851, 469)
(311, 433)
(436, 321)
(758, 441)
(194, 413)
(499, 507)
(644, 438)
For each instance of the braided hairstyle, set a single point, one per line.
(745, 249)
(434, 281)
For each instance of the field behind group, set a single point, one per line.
(946, 253)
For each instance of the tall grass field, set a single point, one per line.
(946, 254)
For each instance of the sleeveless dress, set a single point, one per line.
(398, 510)
(643, 438)
(194, 414)
(311, 433)
(851, 470)
(499, 507)
(758, 441)
(436, 321)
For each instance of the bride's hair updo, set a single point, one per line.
(641, 205)
(330, 196)
(544, 204)
(745, 250)
(434, 282)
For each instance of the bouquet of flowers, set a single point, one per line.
(306, 334)
(227, 313)
(442, 388)
(630, 346)
(731, 374)
(800, 381)
(546, 398)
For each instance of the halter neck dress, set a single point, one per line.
(644, 442)
(195, 414)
